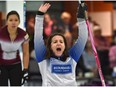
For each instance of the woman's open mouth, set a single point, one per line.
(58, 49)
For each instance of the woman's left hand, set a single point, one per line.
(44, 7)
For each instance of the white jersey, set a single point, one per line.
(54, 71)
(9, 50)
(58, 73)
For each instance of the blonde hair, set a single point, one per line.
(65, 15)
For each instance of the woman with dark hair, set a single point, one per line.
(11, 39)
(57, 64)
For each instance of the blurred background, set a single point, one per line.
(62, 15)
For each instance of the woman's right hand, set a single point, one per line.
(81, 11)
(44, 7)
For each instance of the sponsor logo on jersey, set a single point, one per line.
(61, 69)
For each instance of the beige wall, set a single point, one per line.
(104, 19)
(114, 19)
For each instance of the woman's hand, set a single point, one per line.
(44, 7)
(82, 11)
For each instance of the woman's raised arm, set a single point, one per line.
(39, 44)
(77, 49)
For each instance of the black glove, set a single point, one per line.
(25, 76)
(81, 10)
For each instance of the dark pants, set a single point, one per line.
(104, 60)
(11, 72)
